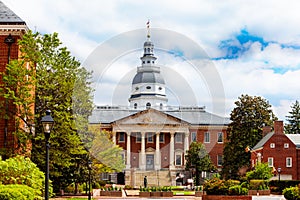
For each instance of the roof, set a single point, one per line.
(295, 138)
(192, 115)
(263, 141)
(7, 16)
(148, 77)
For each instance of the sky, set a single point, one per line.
(210, 52)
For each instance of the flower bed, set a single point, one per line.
(226, 197)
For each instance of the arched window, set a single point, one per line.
(135, 106)
(148, 105)
(161, 106)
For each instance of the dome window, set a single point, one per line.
(148, 105)
(148, 61)
(148, 87)
(136, 88)
(135, 106)
(160, 88)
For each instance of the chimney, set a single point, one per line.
(278, 127)
(266, 130)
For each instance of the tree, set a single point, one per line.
(197, 158)
(247, 119)
(293, 120)
(61, 85)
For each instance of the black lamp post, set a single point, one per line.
(279, 171)
(90, 168)
(47, 122)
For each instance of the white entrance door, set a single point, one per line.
(149, 162)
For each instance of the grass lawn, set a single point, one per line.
(183, 192)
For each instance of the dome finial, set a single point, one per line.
(148, 29)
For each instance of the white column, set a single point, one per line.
(157, 154)
(186, 145)
(172, 150)
(143, 154)
(114, 140)
(128, 163)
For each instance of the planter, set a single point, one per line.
(226, 197)
(155, 194)
(264, 192)
(198, 193)
(116, 193)
(144, 194)
(104, 193)
(259, 192)
(167, 194)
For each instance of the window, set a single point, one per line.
(150, 137)
(122, 137)
(220, 160)
(178, 161)
(148, 61)
(286, 145)
(105, 176)
(148, 87)
(270, 161)
(161, 138)
(272, 145)
(138, 138)
(206, 137)
(135, 106)
(220, 137)
(123, 157)
(178, 137)
(193, 136)
(288, 162)
(148, 105)
(161, 106)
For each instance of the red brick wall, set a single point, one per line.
(3, 62)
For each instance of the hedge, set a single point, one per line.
(16, 192)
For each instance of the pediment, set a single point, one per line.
(150, 117)
(150, 149)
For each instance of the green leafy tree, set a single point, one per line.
(21, 170)
(17, 90)
(261, 171)
(245, 130)
(197, 158)
(61, 85)
(293, 120)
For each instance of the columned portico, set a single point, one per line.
(128, 156)
(171, 166)
(186, 145)
(157, 153)
(143, 153)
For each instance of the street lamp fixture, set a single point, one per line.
(279, 171)
(90, 168)
(47, 122)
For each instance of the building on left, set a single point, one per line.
(12, 29)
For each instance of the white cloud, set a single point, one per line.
(85, 25)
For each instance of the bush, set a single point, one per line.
(259, 185)
(218, 186)
(237, 190)
(22, 171)
(261, 171)
(279, 186)
(17, 192)
(291, 193)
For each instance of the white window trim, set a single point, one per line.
(206, 134)
(178, 154)
(218, 156)
(222, 134)
(121, 141)
(286, 145)
(272, 145)
(178, 135)
(138, 135)
(291, 161)
(192, 136)
(163, 138)
(272, 161)
(152, 136)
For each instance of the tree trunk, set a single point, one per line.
(197, 181)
